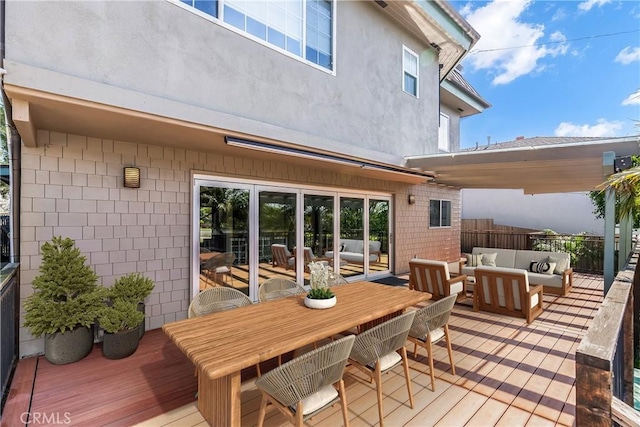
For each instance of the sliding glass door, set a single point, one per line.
(277, 234)
(245, 232)
(351, 253)
(318, 229)
(379, 235)
(223, 235)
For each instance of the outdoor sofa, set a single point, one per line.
(353, 251)
(556, 277)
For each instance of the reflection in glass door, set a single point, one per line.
(224, 235)
(318, 230)
(277, 235)
(378, 236)
(351, 249)
(245, 232)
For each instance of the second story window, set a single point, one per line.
(443, 133)
(303, 28)
(277, 23)
(319, 29)
(409, 71)
(210, 7)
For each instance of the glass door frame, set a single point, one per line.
(200, 179)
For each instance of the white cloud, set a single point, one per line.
(589, 4)
(628, 55)
(633, 99)
(500, 26)
(559, 15)
(601, 128)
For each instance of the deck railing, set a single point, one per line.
(8, 326)
(604, 358)
(587, 252)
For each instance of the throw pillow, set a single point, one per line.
(489, 259)
(561, 264)
(542, 267)
(341, 248)
(473, 260)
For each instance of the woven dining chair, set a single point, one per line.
(336, 279)
(218, 299)
(278, 287)
(380, 349)
(431, 325)
(307, 384)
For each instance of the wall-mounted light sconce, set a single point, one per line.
(131, 177)
(411, 199)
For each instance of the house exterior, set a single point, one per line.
(251, 124)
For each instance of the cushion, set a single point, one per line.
(473, 260)
(388, 361)
(318, 399)
(542, 267)
(341, 247)
(561, 264)
(489, 259)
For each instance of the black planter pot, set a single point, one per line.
(68, 347)
(121, 344)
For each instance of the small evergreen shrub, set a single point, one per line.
(65, 293)
(121, 315)
(133, 288)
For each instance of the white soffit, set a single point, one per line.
(536, 169)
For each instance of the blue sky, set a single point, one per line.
(573, 81)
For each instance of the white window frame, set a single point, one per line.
(404, 70)
(441, 216)
(220, 21)
(444, 139)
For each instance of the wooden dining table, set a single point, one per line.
(222, 344)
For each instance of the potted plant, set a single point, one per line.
(320, 296)
(120, 320)
(133, 288)
(65, 302)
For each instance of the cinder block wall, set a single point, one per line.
(72, 186)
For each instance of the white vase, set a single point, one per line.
(320, 303)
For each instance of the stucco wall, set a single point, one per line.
(562, 212)
(72, 186)
(162, 49)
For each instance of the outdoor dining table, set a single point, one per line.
(222, 344)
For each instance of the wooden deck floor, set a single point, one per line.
(508, 373)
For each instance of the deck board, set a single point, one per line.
(508, 373)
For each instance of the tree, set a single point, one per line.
(625, 186)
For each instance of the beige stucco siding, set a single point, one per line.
(164, 50)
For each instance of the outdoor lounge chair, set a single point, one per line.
(433, 277)
(431, 325)
(281, 257)
(307, 384)
(381, 348)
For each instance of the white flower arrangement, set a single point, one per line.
(320, 273)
